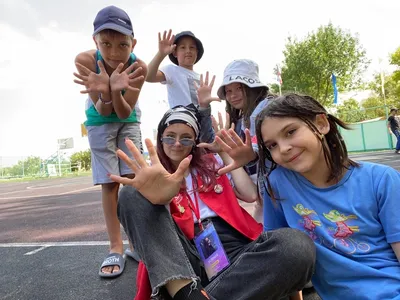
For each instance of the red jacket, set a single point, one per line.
(225, 205)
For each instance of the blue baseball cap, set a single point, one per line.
(113, 18)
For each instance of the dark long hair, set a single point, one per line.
(253, 96)
(306, 109)
(204, 164)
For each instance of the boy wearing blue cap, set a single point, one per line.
(113, 77)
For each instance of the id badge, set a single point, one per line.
(211, 251)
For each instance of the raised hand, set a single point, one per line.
(124, 80)
(241, 153)
(218, 127)
(153, 182)
(94, 83)
(204, 91)
(166, 44)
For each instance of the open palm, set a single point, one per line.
(94, 83)
(204, 91)
(123, 80)
(166, 43)
(152, 181)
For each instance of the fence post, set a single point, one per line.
(363, 137)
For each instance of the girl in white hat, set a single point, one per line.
(245, 97)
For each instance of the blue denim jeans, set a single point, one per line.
(273, 266)
(397, 134)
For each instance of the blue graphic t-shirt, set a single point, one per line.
(352, 225)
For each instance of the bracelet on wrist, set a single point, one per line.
(104, 101)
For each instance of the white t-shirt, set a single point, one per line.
(205, 211)
(180, 85)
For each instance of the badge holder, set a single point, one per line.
(211, 251)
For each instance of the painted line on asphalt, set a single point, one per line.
(57, 244)
(36, 251)
(49, 195)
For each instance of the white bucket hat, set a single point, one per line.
(241, 70)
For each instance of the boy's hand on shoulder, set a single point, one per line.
(166, 44)
(124, 80)
(94, 83)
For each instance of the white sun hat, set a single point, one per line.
(243, 71)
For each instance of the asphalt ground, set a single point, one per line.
(53, 240)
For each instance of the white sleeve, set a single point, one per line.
(168, 72)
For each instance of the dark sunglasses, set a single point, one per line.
(184, 142)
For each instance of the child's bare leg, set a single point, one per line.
(109, 195)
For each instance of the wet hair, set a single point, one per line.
(204, 164)
(253, 96)
(306, 109)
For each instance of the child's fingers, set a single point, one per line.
(133, 89)
(221, 122)
(227, 169)
(222, 144)
(136, 73)
(234, 136)
(101, 66)
(134, 81)
(228, 139)
(82, 69)
(206, 80)
(131, 67)
(248, 137)
(152, 152)
(134, 165)
(119, 68)
(212, 81)
(121, 180)
(169, 34)
(214, 124)
(79, 82)
(81, 77)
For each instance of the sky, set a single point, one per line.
(39, 102)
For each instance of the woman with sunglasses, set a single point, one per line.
(180, 202)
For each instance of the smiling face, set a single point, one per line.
(115, 48)
(186, 52)
(235, 95)
(294, 146)
(177, 152)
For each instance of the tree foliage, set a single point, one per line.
(82, 158)
(309, 63)
(29, 166)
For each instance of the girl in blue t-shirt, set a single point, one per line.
(350, 210)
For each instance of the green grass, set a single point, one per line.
(29, 178)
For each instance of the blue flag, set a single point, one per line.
(335, 92)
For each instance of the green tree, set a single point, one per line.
(27, 167)
(350, 111)
(83, 158)
(309, 63)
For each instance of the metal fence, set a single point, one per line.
(368, 136)
(22, 167)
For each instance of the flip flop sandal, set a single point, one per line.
(112, 259)
(134, 255)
